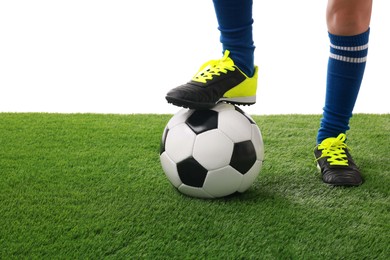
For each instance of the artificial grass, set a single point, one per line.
(90, 186)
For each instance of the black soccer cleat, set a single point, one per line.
(336, 164)
(216, 81)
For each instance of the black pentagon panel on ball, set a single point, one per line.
(191, 172)
(203, 120)
(243, 113)
(163, 140)
(244, 156)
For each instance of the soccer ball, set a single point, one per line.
(212, 153)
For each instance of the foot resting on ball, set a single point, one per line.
(216, 81)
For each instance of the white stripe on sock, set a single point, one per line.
(347, 59)
(346, 48)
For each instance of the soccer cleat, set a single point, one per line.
(335, 162)
(216, 81)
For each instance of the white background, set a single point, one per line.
(123, 56)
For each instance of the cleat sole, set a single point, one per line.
(243, 101)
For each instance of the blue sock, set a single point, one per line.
(346, 65)
(235, 24)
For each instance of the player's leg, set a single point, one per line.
(233, 78)
(235, 25)
(348, 24)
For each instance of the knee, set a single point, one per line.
(346, 17)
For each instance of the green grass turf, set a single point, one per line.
(89, 186)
